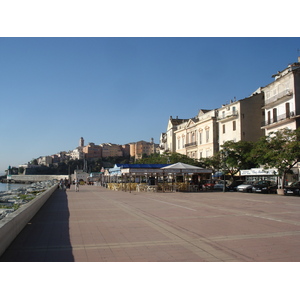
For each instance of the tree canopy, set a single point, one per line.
(168, 158)
(235, 156)
(280, 150)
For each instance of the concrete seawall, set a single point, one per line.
(12, 225)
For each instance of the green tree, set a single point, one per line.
(213, 162)
(167, 158)
(236, 156)
(280, 150)
(34, 162)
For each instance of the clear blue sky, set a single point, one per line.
(121, 90)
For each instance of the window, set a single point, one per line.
(200, 137)
(207, 135)
(234, 125)
(224, 128)
(287, 110)
(275, 114)
(269, 117)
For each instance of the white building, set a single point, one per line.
(168, 139)
(77, 153)
(80, 175)
(282, 100)
(198, 137)
(44, 160)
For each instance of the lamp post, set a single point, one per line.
(223, 157)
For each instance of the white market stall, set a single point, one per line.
(186, 171)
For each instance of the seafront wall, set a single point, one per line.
(36, 178)
(11, 225)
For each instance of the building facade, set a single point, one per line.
(111, 150)
(198, 137)
(92, 151)
(168, 139)
(282, 100)
(241, 120)
(77, 153)
(45, 160)
(142, 147)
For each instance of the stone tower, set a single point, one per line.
(81, 142)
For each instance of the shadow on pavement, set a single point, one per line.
(46, 237)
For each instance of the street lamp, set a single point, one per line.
(223, 157)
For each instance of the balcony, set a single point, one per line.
(279, 118)
(228, 116)
(280, 96)
(192, 144)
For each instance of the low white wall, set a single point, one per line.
(13, 223)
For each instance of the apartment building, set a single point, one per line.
(111, 150)
(45, 160)
(92, 151)
(142, 147)
(126, 150)
(77, 153)
(167, 139)
(282, 100)
(198, 137)
(241, 120)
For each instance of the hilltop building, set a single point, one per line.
(142, 147)
(111, 150)
(92, 151)
(45, 160)
(81, 142)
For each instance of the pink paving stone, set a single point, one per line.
(99, 225)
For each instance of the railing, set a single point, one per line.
(190, 144)
(228, 115)
(278, 118)
(279, 96)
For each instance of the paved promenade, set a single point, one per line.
(99, 225)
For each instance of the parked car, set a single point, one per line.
(265, 186)
(293, 189)
(246, 187)
(233, 186)
(220, 185)
(208, 184)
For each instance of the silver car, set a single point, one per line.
(246, 187)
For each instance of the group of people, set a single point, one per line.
(64, 184)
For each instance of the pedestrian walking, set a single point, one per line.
(61, 184)
(77, 185)
(66, 182)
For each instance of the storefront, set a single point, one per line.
(256, 174)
